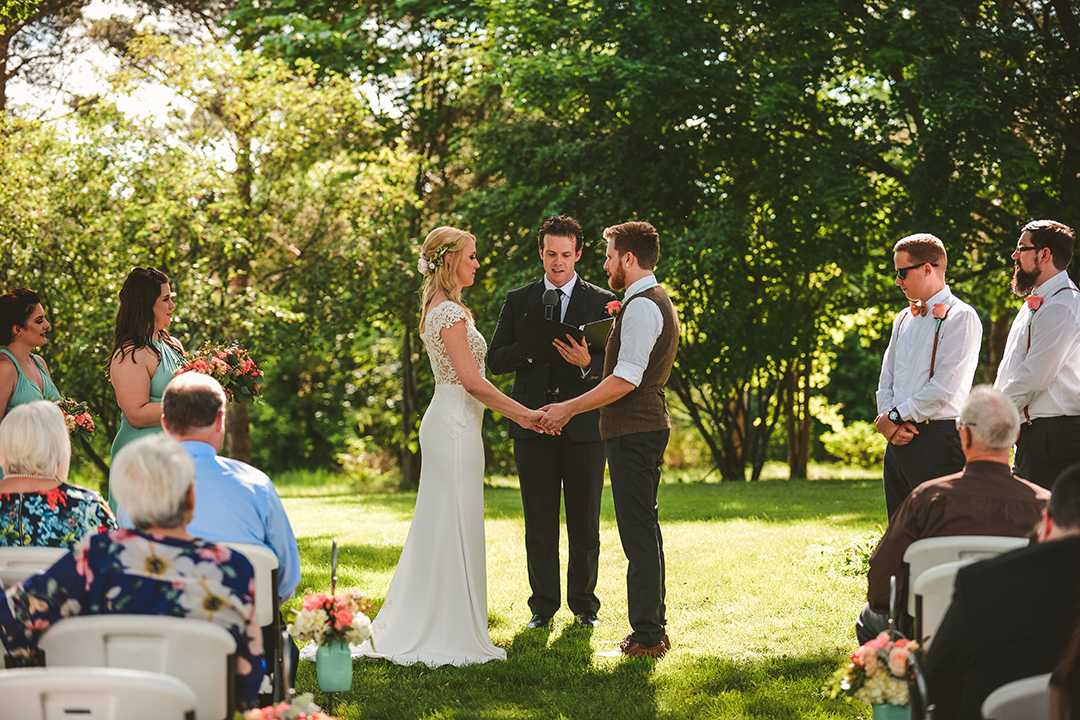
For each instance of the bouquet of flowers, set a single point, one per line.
(301, 708)
(232, 367)
(326, 618)
(877, 673)
(77, 418)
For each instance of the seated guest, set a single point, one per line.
(156, 569)
(36, 506)
(983, 499)
(1011, 616)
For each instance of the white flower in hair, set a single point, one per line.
(423, 266)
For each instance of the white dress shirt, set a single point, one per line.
(905, 381)
(567, 290)
(641, 326)
(1045, 378)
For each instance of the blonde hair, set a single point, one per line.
(34, 440)
(444, 277)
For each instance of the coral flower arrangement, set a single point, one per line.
(232, 366)
(77, 418)
(877, 673)
(328, 618)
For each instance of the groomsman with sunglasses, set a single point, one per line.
(1040, 369)
(926, 373)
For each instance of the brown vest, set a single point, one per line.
(644, 408)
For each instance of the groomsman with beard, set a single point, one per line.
(570, 464)
(1040, 370)
(634, 423)
(926, 372)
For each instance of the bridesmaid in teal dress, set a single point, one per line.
(24, 377)
(144, 355)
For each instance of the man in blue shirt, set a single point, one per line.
(234, 501)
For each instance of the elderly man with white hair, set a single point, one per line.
(983, 499)
(38, 506)
(156, 569)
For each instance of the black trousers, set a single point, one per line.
(1046, 447)
(551, 468)
(934, 452)
(635, 462)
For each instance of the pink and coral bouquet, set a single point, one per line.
(877, 673)
(325, 618)
(231, 366)
(301, 708)
(77, 417)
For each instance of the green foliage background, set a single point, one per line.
(780, 148)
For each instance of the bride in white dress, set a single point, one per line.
(436, 607)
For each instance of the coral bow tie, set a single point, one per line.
(918, 309)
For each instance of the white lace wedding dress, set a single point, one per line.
(436, 608)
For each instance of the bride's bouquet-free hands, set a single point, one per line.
(325, 618)
(231, 366)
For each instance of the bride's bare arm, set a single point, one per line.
(456, 340)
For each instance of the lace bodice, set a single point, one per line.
(438, 318)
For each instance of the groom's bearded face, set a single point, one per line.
(614, 267)
(1023, 281)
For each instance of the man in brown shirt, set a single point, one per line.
(983, 499)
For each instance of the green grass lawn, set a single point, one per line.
(761, 604)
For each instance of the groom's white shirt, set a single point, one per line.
(641, 326)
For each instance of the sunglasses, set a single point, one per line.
(902, 272)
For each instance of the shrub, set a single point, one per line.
(856, 444)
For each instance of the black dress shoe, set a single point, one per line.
(587, 619)
(538, 621)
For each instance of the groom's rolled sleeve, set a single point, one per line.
(641, 326)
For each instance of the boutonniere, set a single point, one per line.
(1034, 302)
(614, 307)
(939, 312)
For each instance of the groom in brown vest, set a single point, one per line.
(634, 422)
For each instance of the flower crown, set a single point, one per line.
(426, 266)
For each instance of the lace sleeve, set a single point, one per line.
(446, 314)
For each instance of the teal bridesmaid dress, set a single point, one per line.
(170, 363)
(27, 390)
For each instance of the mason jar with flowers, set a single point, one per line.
(332, 622)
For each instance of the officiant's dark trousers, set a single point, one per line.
(635, 462)
(551, 469)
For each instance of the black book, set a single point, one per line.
(537, 334)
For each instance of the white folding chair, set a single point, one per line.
(195, 651)
(933, 593)
(93, 694)
(267, 604)
(1025, 699)
(924, 554)
(19, 563)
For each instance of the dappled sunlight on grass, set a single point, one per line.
(761, 609)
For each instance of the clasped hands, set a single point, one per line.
(898, 435)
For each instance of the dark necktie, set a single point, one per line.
(553, 376)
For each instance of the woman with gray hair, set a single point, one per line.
(156, 569)
(37, 505)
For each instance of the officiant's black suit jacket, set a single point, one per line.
(1011, 617)
(587, 304)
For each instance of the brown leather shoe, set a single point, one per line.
(632, 648)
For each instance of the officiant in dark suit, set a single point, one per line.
(569, 465)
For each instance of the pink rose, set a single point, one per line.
(1034, 302)
(342, 619)
(898, 661)
(869, 658)
(880, 642)
(940, 310)
(613, 307)
(314, 601)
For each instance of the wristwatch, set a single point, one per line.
(894, 417)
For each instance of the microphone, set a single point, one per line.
(551, 301)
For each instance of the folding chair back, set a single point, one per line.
(93, 694)
(933, 593)
(19, 563)
(195, 651)
(1025, 699)
(924, 554)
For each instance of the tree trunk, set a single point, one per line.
(237, 432)
(796, 394)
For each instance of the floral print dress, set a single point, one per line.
(53, 518)
(128, 571)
